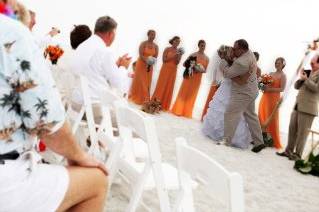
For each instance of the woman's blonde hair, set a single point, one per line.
(20, 11)
(23, 14)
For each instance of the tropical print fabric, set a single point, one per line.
(30, 104)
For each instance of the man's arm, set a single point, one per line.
(117, 76)
(241, 80)
(62, 142)
(236, 69)
(312, 85)
(298, 84)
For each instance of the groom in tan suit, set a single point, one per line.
(244, 92)
(305, 110)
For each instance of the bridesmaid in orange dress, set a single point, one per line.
(165, 83)
(140, 89)
(270, 98)
(187, 94)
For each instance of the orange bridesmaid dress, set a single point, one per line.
(141, 85)
(165, 83)
(266, 106)
(187, 94)
(210, 96)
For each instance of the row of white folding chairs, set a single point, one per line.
(148, 171)
(100, 135)
(193, 166)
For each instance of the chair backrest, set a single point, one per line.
(221, 184)
(114, 148)
(131, 120)
(108, 98)
(86, 108)
(104, 134)
(75, 117)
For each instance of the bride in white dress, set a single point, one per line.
(213, 124)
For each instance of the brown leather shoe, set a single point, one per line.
(283, 154)
(294, 157)
(258, 148)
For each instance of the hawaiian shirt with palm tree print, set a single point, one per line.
(30, 104)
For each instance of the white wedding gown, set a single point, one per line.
(213, 126)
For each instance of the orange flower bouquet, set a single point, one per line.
(54, 53)
(265, 79)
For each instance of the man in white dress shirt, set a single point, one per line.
(94, 60)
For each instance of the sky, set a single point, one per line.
(272, 27)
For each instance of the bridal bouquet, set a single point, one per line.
(150, 62)
(199, 68)
(189, 65)
(54, 53)
(264, 80)
(180, 51)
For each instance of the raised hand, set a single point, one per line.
(54, 31)
(303, 75)
(124, 61)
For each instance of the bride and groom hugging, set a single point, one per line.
(231, 115)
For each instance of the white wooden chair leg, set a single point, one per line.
(137, 190)
(161, 191)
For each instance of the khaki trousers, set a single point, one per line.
(298, 131)
(242, 104)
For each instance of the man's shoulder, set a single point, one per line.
(92, 46)
(13, 29)
(246, 59)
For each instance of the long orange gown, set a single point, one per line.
(165, 83)
(187, 94)
(210, 96)
(141, 85)
(266, 106)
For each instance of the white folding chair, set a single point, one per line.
(108, 155)
(108, 98)
(75, 117)
(221, 184)
(151, 173)
(114, 148)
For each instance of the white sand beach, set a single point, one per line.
(270, 182)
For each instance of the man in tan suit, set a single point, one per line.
(243, 95)
(305, 110)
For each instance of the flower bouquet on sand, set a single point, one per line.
(264, 80)
(150, 62)
(309, 165)
(153, 106)
(54, 53)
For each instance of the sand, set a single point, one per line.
(270, 182)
